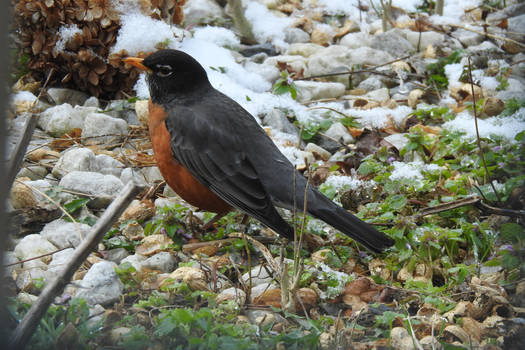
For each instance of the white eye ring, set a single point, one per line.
(164, 70)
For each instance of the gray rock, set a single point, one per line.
(65, 234)
(295, 35)
(135, 260)
(100, 285)
(75, 159)
(151, 174)
(484, 47)
(201, 11)
(397, 140)
(116, 255)
(393, 42)
(103, 187)
(32, 273)
(297, 63)
(517, 25)
(427, 38)
(108, 165)
(62, 95)
(326, 143)
(467, 37)
(258, 275)
(34, 172)
(96, 316)
(379, 95)
(269, 72)
(315, 90)
(122, 109)
(26, 298)
(373, 82)
(235, 294)
(99, 128)
(263, 317)
(329, 59)
(356, 40)
(10, 258)
(92, 102)
(60, 260)
(278, 121)
(370, 56)
(60, 120)
(34, 245)
(509, 11)
(130, 174)
(267, 48)
(337, 131)
(162, 261)
(303, 49)
(317, 151)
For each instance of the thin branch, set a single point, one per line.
(478, 138)
(29, 323)
(18, 154)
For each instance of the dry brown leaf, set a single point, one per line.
(153, 244)
(270, 297)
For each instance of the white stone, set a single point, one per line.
(393, 42)
(59, 120)
(75, 159)
(258, 274)
(135, 261)
(201, 11)
(60, 260)
(162, 261)
(64, 234)
(34, 245)
(303, 49)
(427, 38)
(339, 132)
(103, 187)
(108, 165)
(356, 40)
(99, 128)
(100, 285)
(315, 90)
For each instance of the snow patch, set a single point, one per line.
(66, 33)
(507, 127)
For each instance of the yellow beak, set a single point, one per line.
(137, 62)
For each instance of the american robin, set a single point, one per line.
(216, 156)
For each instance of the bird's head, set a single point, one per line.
(170, 73)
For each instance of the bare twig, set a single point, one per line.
(35, 257)
(492, 36)
(27, 326)
(18, 154)
(478, 138)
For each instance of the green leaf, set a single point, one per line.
(74, 205)
(512, 232)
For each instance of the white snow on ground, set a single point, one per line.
(412, 171)
(217, 35)
(266, 26)
(339, 182)
(143, 33)
(452, 11)
(506, 127)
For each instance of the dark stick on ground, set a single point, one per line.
(27, 326)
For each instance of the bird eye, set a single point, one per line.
(164, 70)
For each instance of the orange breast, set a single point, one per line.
(176, 175)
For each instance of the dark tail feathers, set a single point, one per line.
(362, 232)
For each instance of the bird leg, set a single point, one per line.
(213, 220)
